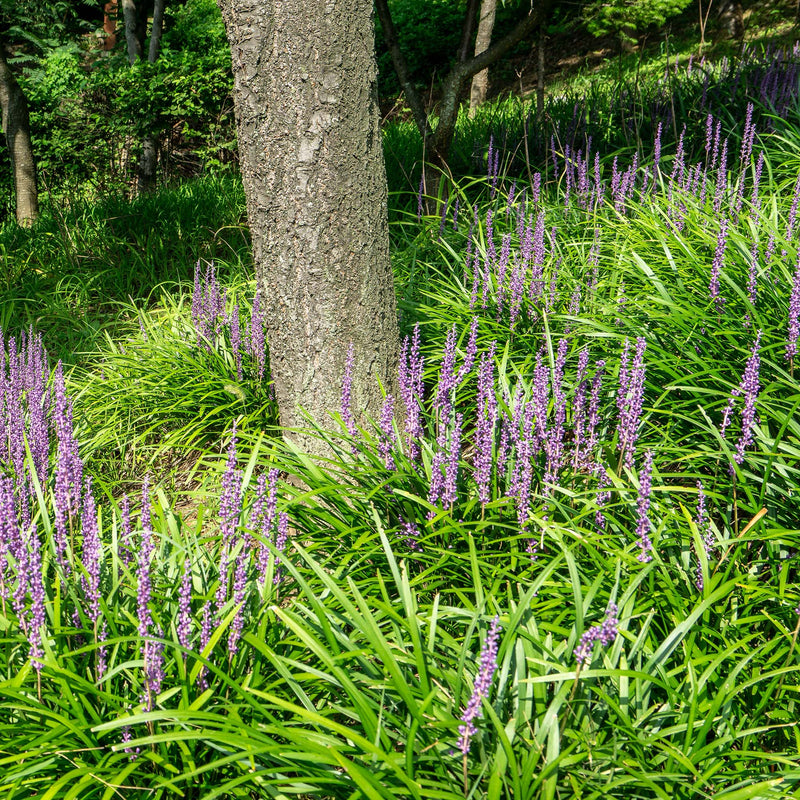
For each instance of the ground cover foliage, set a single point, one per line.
(561, 564)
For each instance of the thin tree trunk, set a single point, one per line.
(480, 81)
(156, 31)
(312, 166)
(540, 65)
(132, 41)
(16, 127)
(148, 160)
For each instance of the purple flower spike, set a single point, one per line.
(92, 556)
(257, 338)
(643, 508)
(449, 492)
(484, 429)
(412, 391)
(230, 504)
(749, 388)
(470, 352)
(126, 532)
(38, 617)
(794, 316)
(387, 437)
(153, 667)
(184, 626)
(447, 377)
(347, 388)
(605, 633)
(206, 625)
(239, 593)
(483, 683)
(716, 267)
(280, 543)
(704, 528)
(409, 534)
(630, 397)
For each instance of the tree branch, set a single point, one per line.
(463, 71)
(401, 68)
(532, 21)
(468, 30)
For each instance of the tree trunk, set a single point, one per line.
(133, 41)
(731, 19)
(110, 11)
(311, 158)
(156, 31)
(480, 81)
(540, 65)
(16, 127)
(148, 160)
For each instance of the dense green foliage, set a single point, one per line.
(362, 628)
(624, 17)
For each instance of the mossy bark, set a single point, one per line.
(312, 165)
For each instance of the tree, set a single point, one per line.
(437, 141)
(16, 127)
(135, 31)
(311, 158)
(731, 19)
(480, 81)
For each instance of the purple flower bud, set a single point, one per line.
(449, 492)
(704, 528)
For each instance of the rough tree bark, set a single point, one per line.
(16, 127)
(480, 81)
(437, 142)
(312, 165)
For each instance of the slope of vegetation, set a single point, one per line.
(563, 562)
